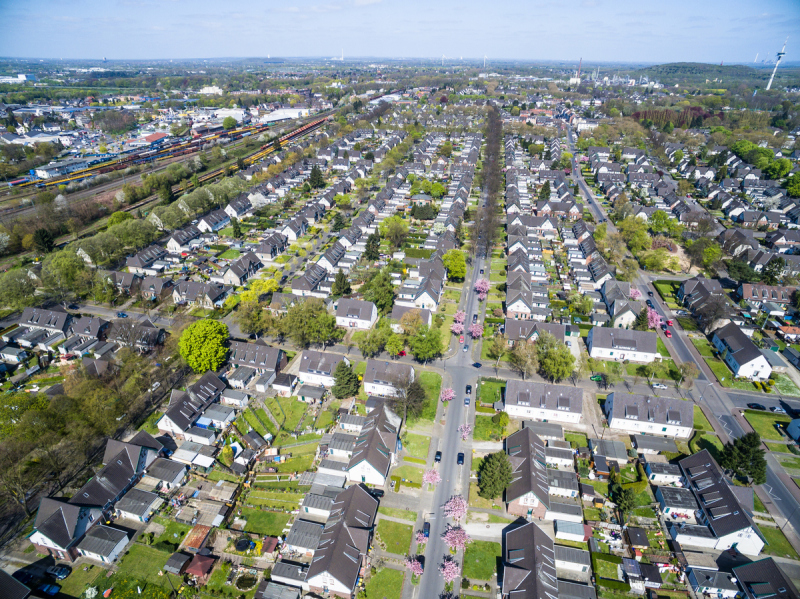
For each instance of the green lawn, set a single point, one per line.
(662, 349)
(293, 408)
(396, 536)
(486, 430)
(140, 567)
(490, 391)
(764, 423)
(704, 347)
(301, 463)
(788, 461)
(778, 447)
(74, 584)
(576, 440)
(607, 570)
(600, 488)
(417, 445)
(575, 544)
(230, 254)
(398, 513)
(432, 383)
(251, 419)
(701, 423)
(480, 560)
(785, 385)
(758, 505)
(777, 545)
(591, 514)
(409, 472)
(665, 369)
(385, 584)
(265, 523)
(703, 441)
(687, 323)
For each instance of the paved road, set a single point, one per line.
(585, 190)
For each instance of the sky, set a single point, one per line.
(596, 30)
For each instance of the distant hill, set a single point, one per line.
(699, 69)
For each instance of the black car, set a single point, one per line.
(438, 457)
(756, 406)
(23, 576)
(650, 303)
(377, 493)
(73, 307)
(650, 293)
(481, 271)
(460, 460)
(474, 318)
(469, 389)
(477, 365)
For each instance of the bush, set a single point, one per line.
(614, 584)
(501, 418)
(771, 382)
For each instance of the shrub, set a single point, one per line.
(771, 382)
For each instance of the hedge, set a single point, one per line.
(418, 253)
(641, 484)
(606, 557)
(493, 320)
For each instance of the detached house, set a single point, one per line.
(317, 368)
(357, 314)
(147, 261)
(205, 295)
(741, 354)
(385, 378)
(214, 221)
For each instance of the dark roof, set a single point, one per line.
(255, 355)
(136, 502)
(164, 469)
(529, 564)
(526, 452)
(176, 563)
(764, 578)
(12, 588)
(654, 443)
(740, 346)
(678, 497)
(573, 590)
(544, 396)
(102, 540)
(638, 537)
(304, 534)
(647, 408)
(58, 520)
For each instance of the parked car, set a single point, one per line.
(668, 334)
(58, 572)
(460, 459)
(426, 529)
(466, 401)
(669, 323)
(596, 378)
(122, 315)
(461, 339)
(650, 293)
(650, 303)
(402, 353)
(777, 410)
(50, 589)
(73, 307)
(469, 389)
(23, 576)
(155, 386)
(474, 318)
(477, 365)
(466, 348)
(438, 457)
(756, 406)
(377, 493)
(481, 271)
(659, 386)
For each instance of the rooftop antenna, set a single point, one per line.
(780, 55)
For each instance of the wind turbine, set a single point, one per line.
(756, 58)
(781, 54)
(484, 61)
(443, 57)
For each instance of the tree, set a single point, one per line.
(202, 345)
(745, 458)
(455, 537)
(63, 272)
(455, 508)
(395, 344)
(447, 394)
(498, 348)
(315, 179)
(410, 398)
(624, 498)
(341, 285)
(476, 330)
(581, 370)
(411, 323)
(524, 358)
(773, 271)
(456, 264)
(252, 318)
(346, 383)
(431, 477)
(17, 289)
(742, 272)
(228, 123)
(544, 192)
(373, 247)
(414, 565)
(395, 229)
(237, 228)
(713, 309)
(379, 290)
(555, 358)
(165, 193)
(43, 241)
(494, 475)
(338, 223)
(118, 217)
(426, 344)
(689, 372)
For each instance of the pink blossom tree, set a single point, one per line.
(482, 286)
(432, 477)
(449, 569)
(456, 537)
(421, 538)
(465, 430)
(653, 318)
(635, 294)
(476, 330)
(413, 564)
(447, 394)
(457, 328)
(456, 508)
(460, 316)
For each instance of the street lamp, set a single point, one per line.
(706, 389)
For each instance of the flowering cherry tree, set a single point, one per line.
(456, 508)
(460, 316)
(413, 564)
(432, 477)
(421, 538)
(465, 430)
(457, 328)
(449, 569)
(653, 318)
(635, 294)
(447, 394)
(456, 537)
(482, 297)
(482, 286)
(476, 330)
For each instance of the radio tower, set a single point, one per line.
(579, 68)
(781, 54)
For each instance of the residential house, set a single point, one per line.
(651, 415)
(318, 368)
(528, 493)
(356, 314)
(204, 295)
(541, 401)
(764, 578)
(214, 221)
(149, 261)
(740, 353)
(622, 344)
(240, 270)
(529, 565)
(386, 378)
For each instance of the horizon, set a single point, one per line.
(599, 31)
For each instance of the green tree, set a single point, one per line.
(544, 192)
(624, 498)
(64, 271)
(346, 381)
(524, 358)
(339, 223)
(17, 289)
(426, 344)
(641, 322)
(165, 193)
(498, 348)
(43, 241)
(118, 217)
(395, 229)
(315, 179)
(237, 228)
(773, 271)
(456, 264)
(395, 344)
(379, 290)
(410, 398)
(202, 345)
(372, 251)
(745, 458)
(555, 359)
(252, 318)
(341, 284)
(793, 186)
(494, 475)
(228, 123)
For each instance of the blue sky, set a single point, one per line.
(597, 30)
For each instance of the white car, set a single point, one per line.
(659, 386)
